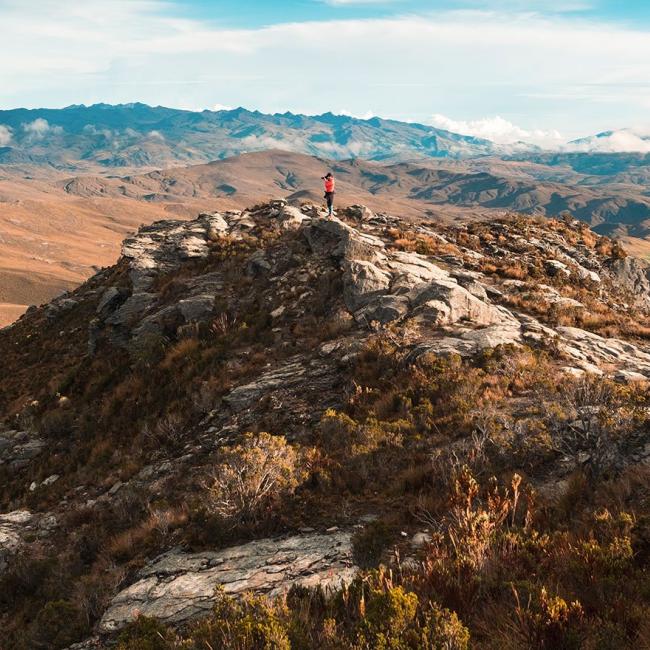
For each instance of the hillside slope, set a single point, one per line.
(423, 188)
(269, 401)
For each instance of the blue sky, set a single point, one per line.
(504, 69)
(235, 13)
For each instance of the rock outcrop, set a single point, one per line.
(456, 309)
(18, 448)
(179, 586)
(16, 527)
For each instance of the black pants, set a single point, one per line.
(329, 197)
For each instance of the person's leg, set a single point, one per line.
(330, 201)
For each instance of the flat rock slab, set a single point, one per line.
(18, 448)
(595, 350)
(16, 527)
(180, 586)
(294, 381)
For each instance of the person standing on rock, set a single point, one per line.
(329, 192)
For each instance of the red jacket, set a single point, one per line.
(329, 184)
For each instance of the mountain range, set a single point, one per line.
(104, 137)
(137, 135)
(441, 190)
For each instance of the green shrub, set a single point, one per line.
(252, 477)
(388, 616)
(249, 624)
(442, 630)
(550, 622)
(146, 634)
(369, 543)
(59, 624)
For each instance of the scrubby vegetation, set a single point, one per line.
(533, 522)
(497, 566)
(507, 565)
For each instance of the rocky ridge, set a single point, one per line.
(443, 291)
(455, 308)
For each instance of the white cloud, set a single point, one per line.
(39, 128)
(5, 135)
(221, 107)
(91, 129)
(368, 115)
(497, 130)
(625, 140)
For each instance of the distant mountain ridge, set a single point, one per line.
(617, 141)
(137, 135)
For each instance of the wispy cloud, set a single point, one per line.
(367, 115)
(5, 135)
(625, 140)
(39, 128)
(498, 130)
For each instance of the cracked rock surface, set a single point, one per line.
(179, 586)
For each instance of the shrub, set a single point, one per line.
(252, 477)
(169, 431)
(369, 543)
(383, 615)
(550, 622)
(145, 634)
(57, 424)
(390, 614)
(59, 624)
(443, 630)
(252, 623)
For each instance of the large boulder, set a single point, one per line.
(19, 448)
(360, 212)
(444, 302)
(589, 348)
(166, 245)
(333, 237)
(17, 529)
(383, 310)
(632, 274)
(180, 586)
(291, 218)
(363, 281)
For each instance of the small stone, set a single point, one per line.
(420, 539)
(115, 488)
(555, 267)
